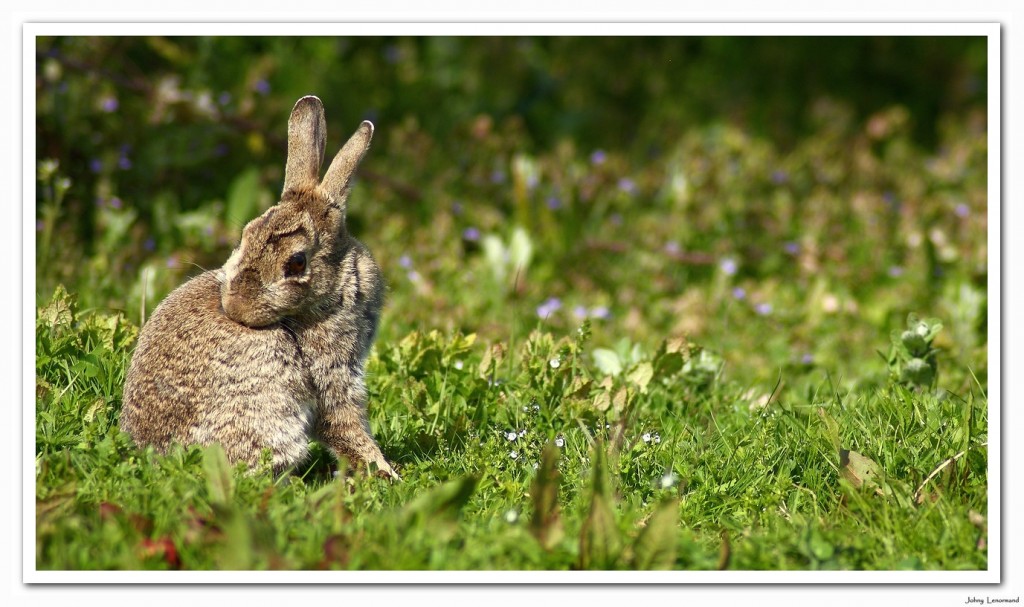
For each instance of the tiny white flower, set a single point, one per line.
(511, 516)
(458, 365)
(560, 441)
(511, 436)
(657, 438)
(646, 437)
(536, 408)
(514, 454)
(555, 363)
(667, 481)
(522, 433)
(536, 465)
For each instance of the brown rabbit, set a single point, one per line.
(269, 351)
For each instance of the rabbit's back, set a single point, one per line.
(198, 377)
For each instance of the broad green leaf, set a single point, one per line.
(641, 375)
(600, 542)
(859, 470)
(444, 502)
(219, 479)
(831, 428)
(546, 524)
(60, 311)
(656, 546)
(607, 361)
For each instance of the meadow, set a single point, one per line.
(667, 303)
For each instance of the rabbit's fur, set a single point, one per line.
(268, 351)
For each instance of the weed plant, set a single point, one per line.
(681, 348)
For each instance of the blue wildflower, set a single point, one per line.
(549, 307)
(109, 104)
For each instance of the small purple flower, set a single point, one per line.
(627, 185)
(413, 276)
(807, 358)
(531, 181)
(962, 210)
(601, 312)
(580, 312)
(115, 202)
(123, 162)
(224, 98)
(109, 104)
(672, 248)
(791, 247)
(497, 176)
(172, 261)
(779, 177)
(95, 165)
(471, 234)
(208, 230)
(895, 271)
(405, 261)
(598, 157)
(728, 265)
(549, 307)
(457, 208)
(764, 309)
(262, 86)
(554, 203)
(739, 293)
(149, 244)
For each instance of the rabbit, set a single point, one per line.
(269, 351)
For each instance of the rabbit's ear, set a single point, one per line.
(307, 136)
(345, 163)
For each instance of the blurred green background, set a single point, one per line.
(783, 200)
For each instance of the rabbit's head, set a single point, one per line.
(287, 262)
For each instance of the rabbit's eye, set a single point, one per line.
(296, 265)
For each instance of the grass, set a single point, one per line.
(684, 350)
(665, 465)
